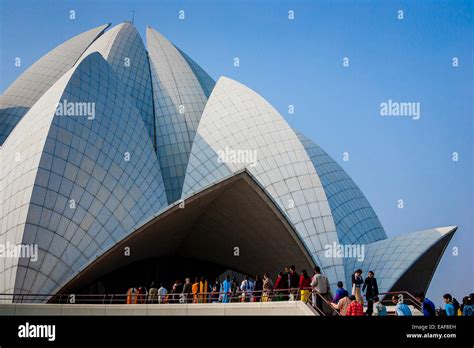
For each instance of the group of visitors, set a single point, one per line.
(288, 286)
(353, 305)
(453, 308)
(291, 286)
(141, 295)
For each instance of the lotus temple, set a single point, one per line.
(125, 163)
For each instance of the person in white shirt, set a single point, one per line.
(320, 284)
(247, 288)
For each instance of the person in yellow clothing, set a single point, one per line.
(132, 297)
(357, 283)
(195, 290)
(203, 286)
(305, 285)
(129, 296)
(267, 288)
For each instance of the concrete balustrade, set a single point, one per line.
(223, 309)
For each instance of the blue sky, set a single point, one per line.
(299, 62)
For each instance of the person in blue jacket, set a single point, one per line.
(340, 292)
(467, 306)
(449, 306)
(226, 289)
(401, 309)
(427, 307)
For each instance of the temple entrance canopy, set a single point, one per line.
(231, 225)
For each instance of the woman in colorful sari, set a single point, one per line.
(203, 289)
(131, 296)
(195, 290)
(267, 288)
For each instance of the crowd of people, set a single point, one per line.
(288, 286)
(451, 306)
(291, 286)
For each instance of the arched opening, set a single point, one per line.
(233, 225)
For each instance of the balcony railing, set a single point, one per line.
(291, 294)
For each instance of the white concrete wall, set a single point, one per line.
(262, 308)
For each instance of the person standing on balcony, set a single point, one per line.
(371, 290)
(257, 289)
(280, 284)
(427, 307)
(304, 285)
(320, 285)
(357, 282)
(233, 289)
(195, 290)
(187, 290)
(176, 291)
(340, 292)
(294, 282)
(153, 293)
(226, 289)
(401, 309)
(379, 309)
(457, 307)
(203, 289)
(246, 287)
(449, 306)
(142, 295)
(354, 309)
(286, 283)
(216, 290)
(267, 288)
(467, 306)
(162, 292)
(132, 296)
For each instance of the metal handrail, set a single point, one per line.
(328, 303)
(174, 298)
(117, 298)
(190, 298)
(408, 298)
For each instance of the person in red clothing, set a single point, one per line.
(354, 309)
(279, 281)
(280, 284)
(305, 285)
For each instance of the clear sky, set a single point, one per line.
(300, 62)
